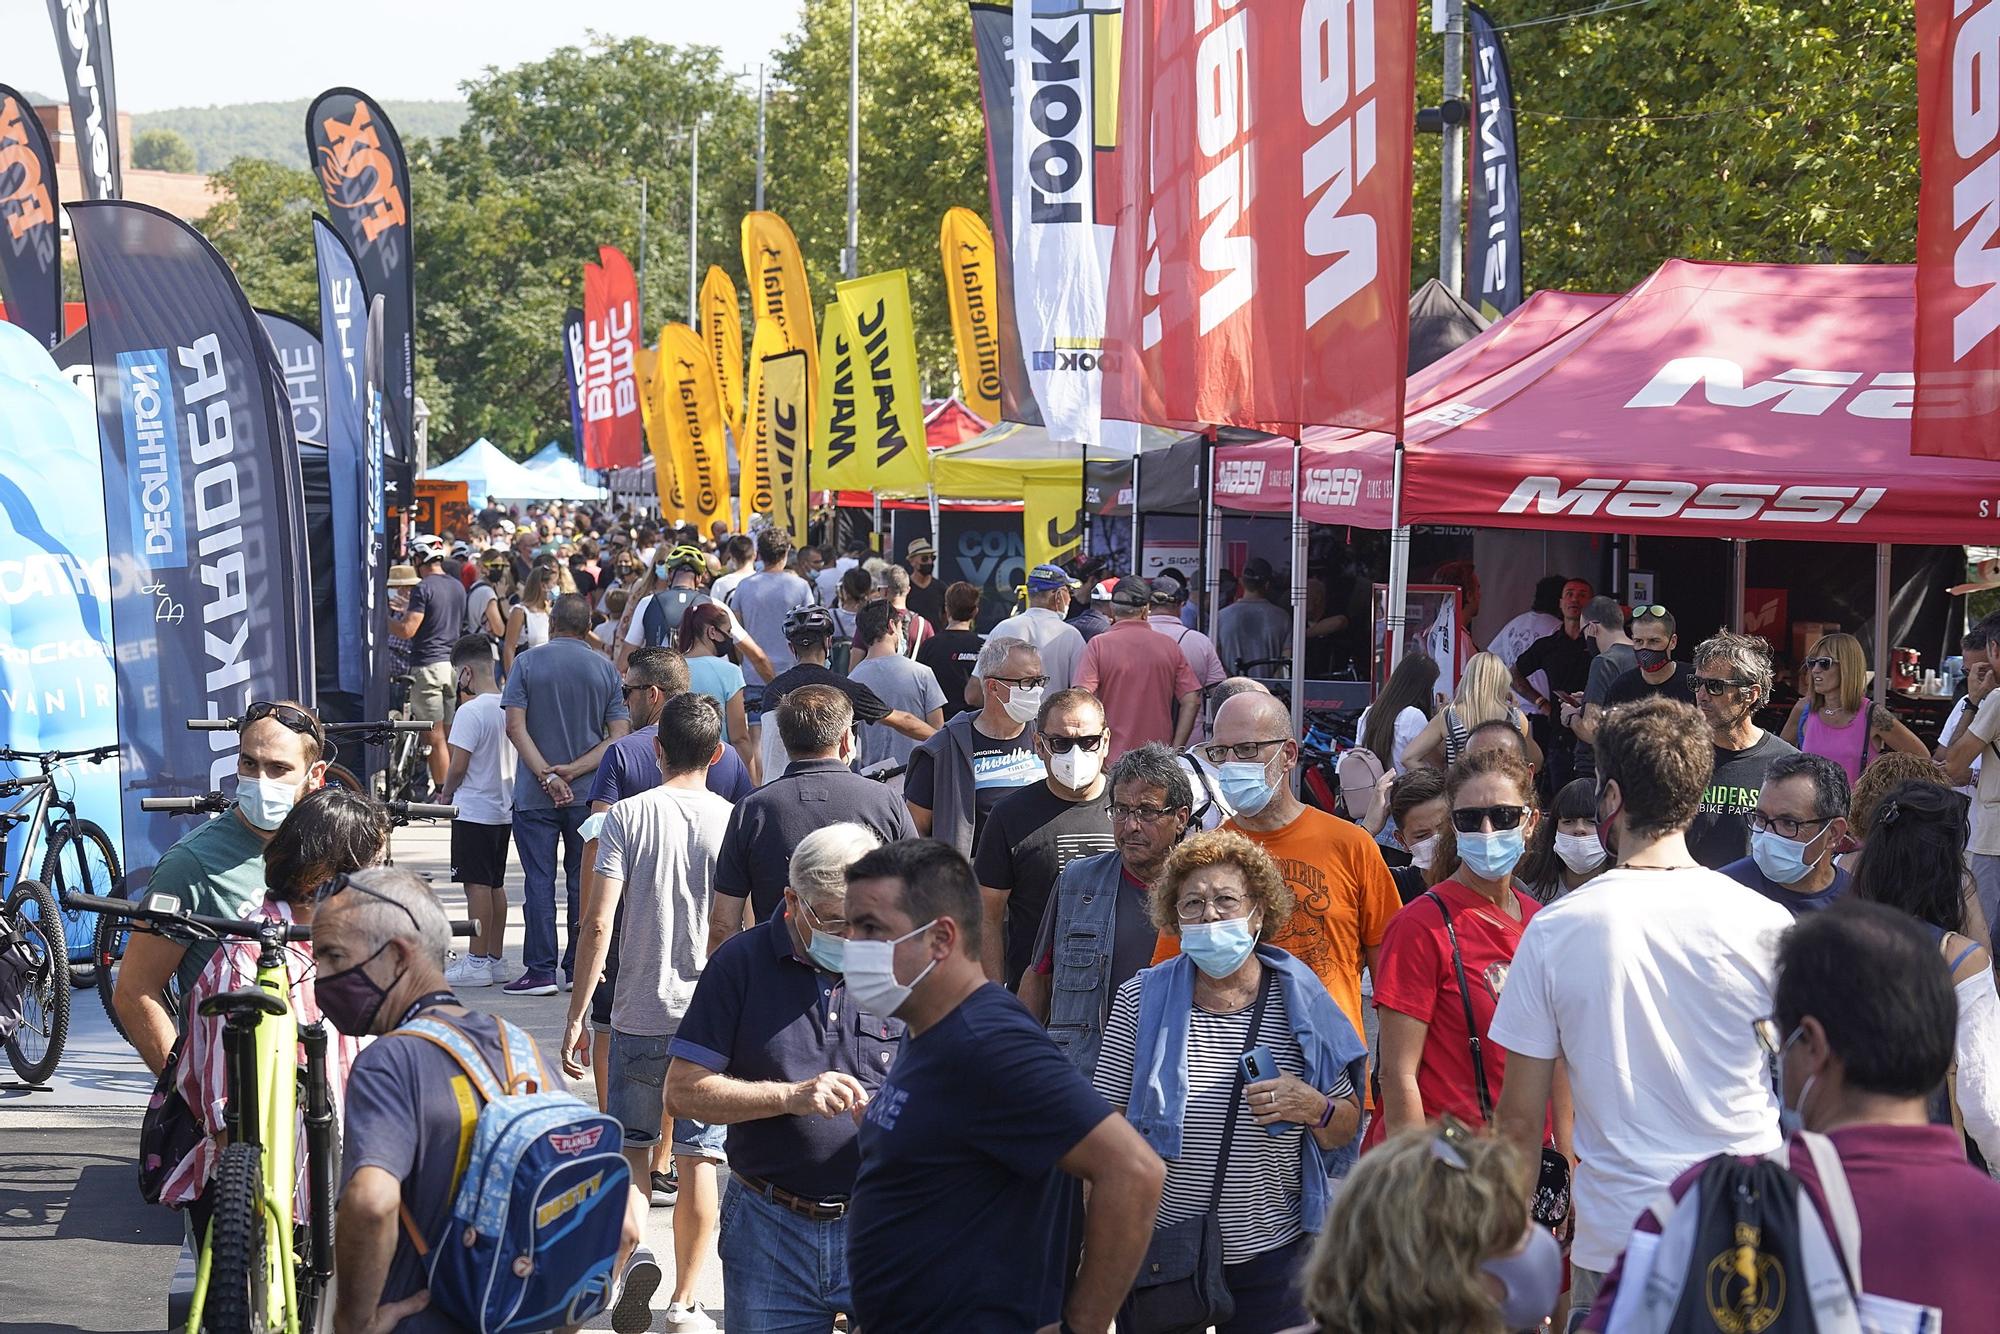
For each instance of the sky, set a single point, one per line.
(175, 53)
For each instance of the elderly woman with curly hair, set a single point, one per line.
(1255, 1150)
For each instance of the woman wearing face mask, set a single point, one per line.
(1255, 1153)
(1565, 850)
(528, 622)
(1432, 1233)
(705, 642)
(1485, 694)
(1418, 812)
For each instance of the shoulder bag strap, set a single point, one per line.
(1236, 1089)
(1839, 1198)
(1465, 996)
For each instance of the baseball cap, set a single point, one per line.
(403, 576)
(1045, 577)
(1101, 590)
(1167, 593)
(920, 547)
(1131, 591)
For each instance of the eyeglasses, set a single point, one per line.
(287, 715)
(1147, 814)
(833, 926)
(1471, 819)
(1656, 612)
(345, 881)
(1818, 664)
(1718, 686)
(1063, 745)
(628, 691)
(1025, 682)
(1194, 910)
(1784, 826)
(1241, 750)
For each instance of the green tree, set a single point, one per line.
(262, 225)
(162, 150)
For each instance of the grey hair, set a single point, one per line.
(381, 919)
(1831, 791)
(1156, 766)
(994, 655)
(1748, 657)
(820, 861)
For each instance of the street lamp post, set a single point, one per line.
(640, 313)
(850, 258)
(694, 214)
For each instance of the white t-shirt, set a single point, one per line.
(479, 728)
(1061, 643)
(1986, 811)
(1647, 984)
(723, 587)
(1409, 724)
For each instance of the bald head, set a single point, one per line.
(1257, 714)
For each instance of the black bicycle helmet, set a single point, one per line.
(808, 623)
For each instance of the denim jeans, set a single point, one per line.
(785, 1274)
(536, 833)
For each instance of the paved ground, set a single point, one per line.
(80, 1251)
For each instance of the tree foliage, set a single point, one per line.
(162, 150)
(275, 131)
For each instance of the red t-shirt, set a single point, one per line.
(1414, 976)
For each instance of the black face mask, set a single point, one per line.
(350, 999)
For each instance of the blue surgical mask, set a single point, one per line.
(1792, 1118)
(1491, 855)
(829, 952)
(1782, 860)
(1531, 1278)
(1246, 786)
(1218, 948)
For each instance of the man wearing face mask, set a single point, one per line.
(1654, 670)
(959, 775)
(1603, 625)
(966, 1149)
(774, 1047)
(1731, 678)
(926, 595)
(217, 869)
(1800, 820)
(1037, 830)
(1150, 692)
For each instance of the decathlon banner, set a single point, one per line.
(1958, 230)
(889, 413)
(755, 480)
(611, 421)
(967, 245)
(304, 372)
(788, 410)
(30, 229)
(1262, 266)
(573, 358)
(693, 412)
(838, 461)
(343, 337)
(204, 519)
(1493, 224)
(83, 39)
(722, 334)
(666, 477)
(778, 289)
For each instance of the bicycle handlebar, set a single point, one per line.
(208, 803)
(156, 913)
(421, 810)
(48, 758)
(213, 724)
(386, 725)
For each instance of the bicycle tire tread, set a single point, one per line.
(54, 990)
(82, 832)
(236, 1242)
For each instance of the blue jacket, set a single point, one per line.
(1159, 1071)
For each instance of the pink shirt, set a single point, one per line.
(1139, 674)
(1199, 650)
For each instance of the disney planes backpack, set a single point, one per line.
(540, 1198)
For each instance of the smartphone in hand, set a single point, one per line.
(1258, 1066)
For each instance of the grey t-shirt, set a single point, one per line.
(761, 603)
(571, 695)
(900, 684)
(1248, 630)
(662, 844)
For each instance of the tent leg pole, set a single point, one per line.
(937, 534)
(1138, 565)
(1399, 567)
(1739, 564)
(1881, 691)
(1211, 556)
(1299, 546)
(881, 548)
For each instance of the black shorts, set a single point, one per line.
(479, 853)
(605, 991)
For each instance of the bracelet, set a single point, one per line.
(1326, 1117)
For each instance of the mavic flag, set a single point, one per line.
(612, 426)
(573, 355)
(1957, 412)
(343, 336)
(692, 415)
(1493, 229)
(83, 39)
(30, 230)
(204, 520)
(366, 181)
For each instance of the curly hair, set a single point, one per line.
(1266, 889)
(1401, 1250)
(1887, 770)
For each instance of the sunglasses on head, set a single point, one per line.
(1471, 819)
(345, 881)
(1062, 745)
(287, 715)
(1656, 611)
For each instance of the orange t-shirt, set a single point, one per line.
(1343, 896)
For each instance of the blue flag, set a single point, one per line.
(343, 336)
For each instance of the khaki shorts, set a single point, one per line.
(434, 696)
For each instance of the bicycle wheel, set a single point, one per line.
(339, 775)
(238, 1269)
(81, 860)
(107, 952)
(37, 1044)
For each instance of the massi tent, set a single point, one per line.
(488, 472)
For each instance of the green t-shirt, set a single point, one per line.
(216, 870)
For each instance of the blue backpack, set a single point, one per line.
(540, 1198)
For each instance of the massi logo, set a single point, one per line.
(1330, 486)
(1798, 393)
(1239, 477)
(1724, 502)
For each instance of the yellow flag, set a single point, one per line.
(1051, 518)
(722, 331)
(838, 461)
(673, 506)
(753, 447)
(778, 290)
(693, 413)
(970, 283)
(787, 409)
(889, 411)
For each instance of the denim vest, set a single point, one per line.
(1159, 1072)
(954, 798)
(1080, 988)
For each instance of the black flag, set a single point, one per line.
(573, 371)
(376, 490)
(30, 239)
(1494, 227)
(303, 368)
(83, 36)
(204, 521)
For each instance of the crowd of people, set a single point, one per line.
(1014, 986)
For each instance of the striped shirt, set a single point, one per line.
(1260, 1190)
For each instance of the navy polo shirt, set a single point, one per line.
(756, 858)
(761, 1013)
(1745, 872)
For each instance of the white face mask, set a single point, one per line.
(1023, 704)
(265, 802)
(1580, 852)
(870, 968)
(1078, 769)
(1422, 851)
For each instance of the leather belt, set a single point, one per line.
(817, 1210)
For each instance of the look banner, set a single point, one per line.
(693, 413)
(204, 517)
(1957, 412)
(838, 461)
(967, 246)
(756, 482)
(889, 413)
(30, 228)
(777, 277)
(722, 333)
(343, 336)
(787, 412)
(611, 421)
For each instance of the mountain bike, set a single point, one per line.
(80, 857)
(30, 912)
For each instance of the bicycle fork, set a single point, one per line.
(319, 1155)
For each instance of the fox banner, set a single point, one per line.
(838, 461)
(754, 464)
(722, 332)
(573, 358)
(366, 182)
(30, 227)
(1263, 215)
(1957, 412)
(788, 410)
(967, 246)
(777, 278)
(693, 413)
(343, 338)
(889, 413)
(653, 397)
(1493, 224)
(204, 519)
(611, 419)
(304, 372)
(83, 39)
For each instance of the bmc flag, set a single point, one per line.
(1262, 266)
(204, 519)
(1958, 230)
(1493, 230)
(889, 413)
(753, 448)
(787, 410)
(83, 39)
(967, 244)
(30, 230)
(652, 396)
(366, 181)
(693, 412)
(722, 331)
(343, 336)
(611, 422)
(573, 358)
(838, 461)
(777, 278)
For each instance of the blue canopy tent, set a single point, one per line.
(488, 472)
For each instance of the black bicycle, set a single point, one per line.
(79, 857)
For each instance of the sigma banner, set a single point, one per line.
(778, 289)
(573, 358)
(611, 419)
(667, 475)
(83, 39)
(722, 332)
(366, 181)
(755, 484)
(343, 340)
(30, 228)
(967, 246)
(1958, 230)
(693, 415)
(304, 372)
(993, 45)
(889, 415)
(1493, 229)
(838, 461)
(377, 491)
(1262, 269)
(204, 520)
(788, 409)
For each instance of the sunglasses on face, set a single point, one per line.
(629, 691)
(1472, 819)
(1819, 664)
(1717, 686)
(1063, 745)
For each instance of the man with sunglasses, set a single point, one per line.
(1035, 831)
(1731, 679)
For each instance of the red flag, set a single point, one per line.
(1958, 230)
(612, 437)
(1262, 260)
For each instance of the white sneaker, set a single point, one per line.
(632, 1310)
(690, 1319)
(471, 970)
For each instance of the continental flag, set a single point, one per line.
(970, 282)
(889, 412)
(722, 331)
(838, 461)
(787, 408)
(753, 447)
(666, 478)
(693, 412)
(778, 290)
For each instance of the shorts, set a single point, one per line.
(434, 695)
(637, 1097)
(606, 990)
(479, 852)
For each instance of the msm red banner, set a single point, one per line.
(612, 437)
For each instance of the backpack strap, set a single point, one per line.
(1839, 1201)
